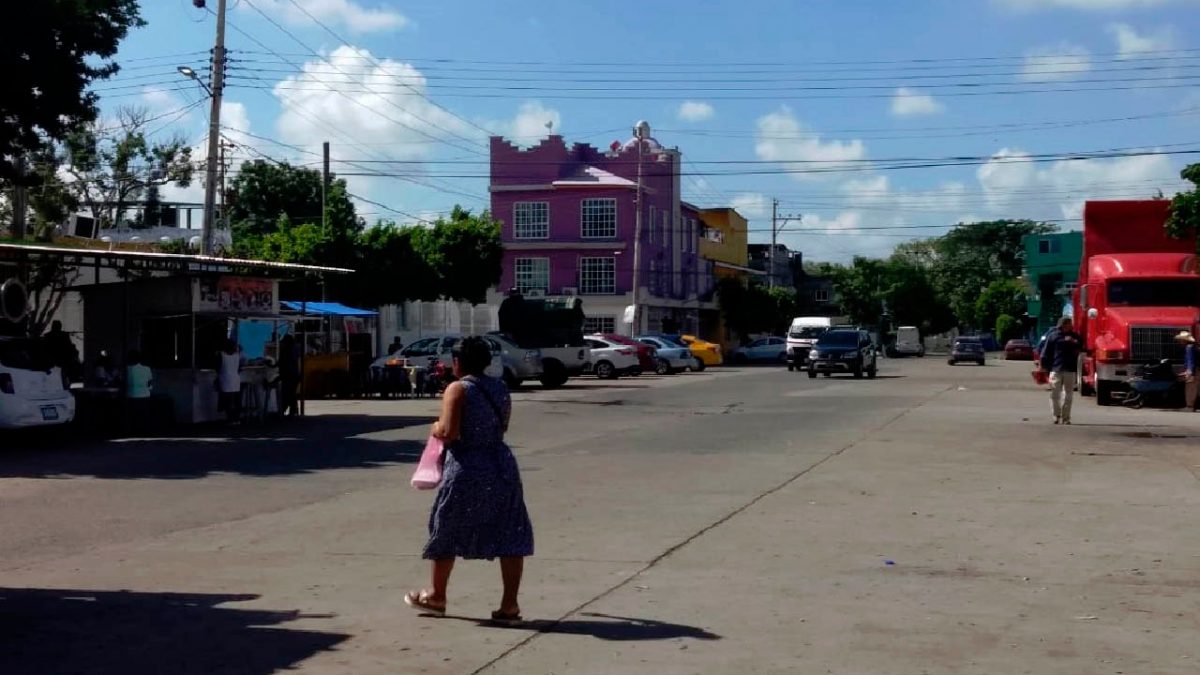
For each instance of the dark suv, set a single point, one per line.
(843, 351)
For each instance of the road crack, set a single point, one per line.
(554, 623)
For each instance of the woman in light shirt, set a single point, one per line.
(229, 380)
(139, 379)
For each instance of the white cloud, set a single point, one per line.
(529, 125)
(371, 106)
(695, 111)
(352, 15)
(1017, 188)
(783, 138)
(910, 102)
(1062, 61)
(752, 205)
(1130, 43)
(1098, 5)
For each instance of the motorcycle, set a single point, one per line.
(1153, 383)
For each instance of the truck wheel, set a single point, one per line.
(554, 374)
(1104, 392)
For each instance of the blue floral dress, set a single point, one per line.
(479, 512)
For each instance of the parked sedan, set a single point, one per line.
(763, 350)
(32, 392)
(611, 360)
(672, 357)
(427, 350)
(519, 364)
(1018, 350)
(708, 353)
(967, 349)
(647, 354)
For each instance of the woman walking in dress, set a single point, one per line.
(479, 512)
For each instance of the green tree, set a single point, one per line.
(50, 53)
(1001, 297)
(262, 191)
(465, 253)
(1008, 327)
(912, 299)
(973, 255)
(391, 267)
(1185, 206)
(115, 169)
(861, 289)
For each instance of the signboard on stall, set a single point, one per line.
(237, 295)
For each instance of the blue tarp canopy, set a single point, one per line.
(326, 309)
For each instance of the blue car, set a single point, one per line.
(673, 357)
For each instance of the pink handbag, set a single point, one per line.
(429, 470)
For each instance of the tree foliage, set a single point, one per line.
(973, 255)
(262, 191)
(275, 215)
(114, 169)
(466, 254)
(1185, 206)
(753, 309)
(1001, 297)
(51, 51)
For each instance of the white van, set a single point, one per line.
(908, 342)
(801, 337)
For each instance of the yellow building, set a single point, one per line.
(724, 241)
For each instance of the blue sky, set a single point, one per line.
(782, 86)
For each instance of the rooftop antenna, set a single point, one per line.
(550, 126)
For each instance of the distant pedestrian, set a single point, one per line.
(289, 376)
(1191, 386)
(479, 512)
(1060, 358)
(62, 350)
(104, 375)
(139, 379)
(229, 380)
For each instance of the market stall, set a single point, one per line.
(338, 346)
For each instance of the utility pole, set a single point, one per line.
(771, 254)
(214, 134)
(324, 184)
(20, 201)
(777, 225)
(635, 327)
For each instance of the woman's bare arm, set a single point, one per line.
(447, 426)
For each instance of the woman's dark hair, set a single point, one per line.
(473, 354)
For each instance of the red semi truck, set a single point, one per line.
(1137, 289)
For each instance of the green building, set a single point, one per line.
(1052, 270)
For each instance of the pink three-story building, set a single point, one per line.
(569, 216)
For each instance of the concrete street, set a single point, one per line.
(743, 520)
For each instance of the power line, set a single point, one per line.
(1148, 55)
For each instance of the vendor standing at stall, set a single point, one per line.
(229, 380)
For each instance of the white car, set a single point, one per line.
(611, 360)
(32, 393)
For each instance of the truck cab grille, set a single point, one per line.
(1154, 343)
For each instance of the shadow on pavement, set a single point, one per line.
(288, 448)
(80, 631)
(613, 628)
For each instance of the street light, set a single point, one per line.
(190, 74)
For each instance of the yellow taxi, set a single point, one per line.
(707, 353)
